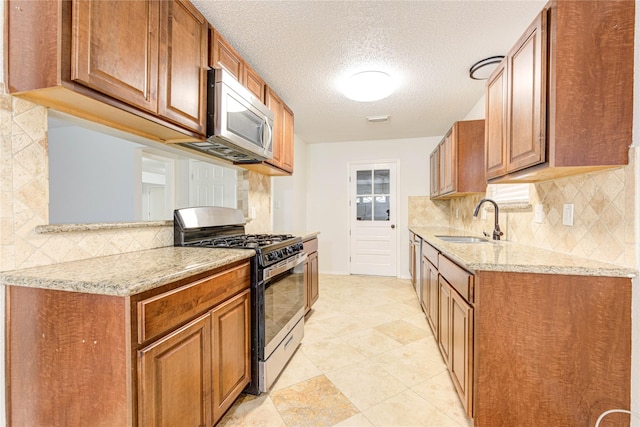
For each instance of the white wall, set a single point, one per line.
(328, 192)
(110, 177)
(289, 195)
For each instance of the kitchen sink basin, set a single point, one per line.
(463, 239)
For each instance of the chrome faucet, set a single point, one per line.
(496, 230)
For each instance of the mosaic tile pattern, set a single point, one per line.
(259, 199)
(604, 216)
(368, 358)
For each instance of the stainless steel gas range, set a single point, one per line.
(277, 284)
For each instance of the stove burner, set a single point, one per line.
(251, 241)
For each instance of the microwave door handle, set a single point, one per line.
(268, 140)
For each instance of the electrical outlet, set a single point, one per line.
(483, 214)
(253, 212)
(567, 214)
(538, 214)
(456, 213)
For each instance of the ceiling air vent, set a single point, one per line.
(378, 119)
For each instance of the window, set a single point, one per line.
(509, 194)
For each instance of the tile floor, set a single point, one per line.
(368, 358)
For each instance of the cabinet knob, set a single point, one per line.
(393, 226)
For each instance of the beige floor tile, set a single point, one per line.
(255, 411)
(357, 420)
(332, 354)
(402, 331)
(440, 392)
(315, 402)
(370, 342)
(410, 410)
(413, 363)
(299, 369)
(365, 384)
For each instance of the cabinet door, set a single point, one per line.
(175, 378)
(314, 283)
(424, 291)
(231, 350)
(224, 56)
(527, 98)
(253, 82)
(462, 349)
(115, 49)
(447, 164)
(275, 104)
(287, 139)
(433, 299)
(311, 281)
(434, 173)
(183, 65)
(412, 260)
(496, 123)
(444, 318)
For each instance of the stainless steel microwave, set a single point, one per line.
(239, 125)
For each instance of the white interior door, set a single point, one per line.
(373, 212)
(212, 185)
(153, 200)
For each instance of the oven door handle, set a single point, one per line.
(283, 266)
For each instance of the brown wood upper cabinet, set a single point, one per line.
(225, 56)
(282, 161)
(560, 103)
(456, 164)
(183, 65)
(135, 66)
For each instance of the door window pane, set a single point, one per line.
(363, 208)
(363, 179)
(381, 208)
(381, 181)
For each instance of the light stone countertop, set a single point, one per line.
(513, 257)
(127, 273)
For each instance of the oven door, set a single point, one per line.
(283, 300)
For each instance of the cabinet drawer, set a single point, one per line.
(460, 279)
(165, 312)
(430, 253)
(310, 246)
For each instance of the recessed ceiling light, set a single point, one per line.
(368, 86)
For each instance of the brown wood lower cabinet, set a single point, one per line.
(231, 351)
(197, 372)
(312, 289)
(461, 350)
(444, 320)
(175, 378)
(526, 349)
(177, 355)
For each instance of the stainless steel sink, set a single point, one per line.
(463, 239)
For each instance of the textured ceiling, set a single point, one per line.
(304, 48)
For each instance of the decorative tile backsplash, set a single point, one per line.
(604, 216)
(24, 198)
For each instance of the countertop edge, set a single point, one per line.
(103, 283)
(580, 266)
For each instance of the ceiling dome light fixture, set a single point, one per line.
(482, 69)
(368, 86)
